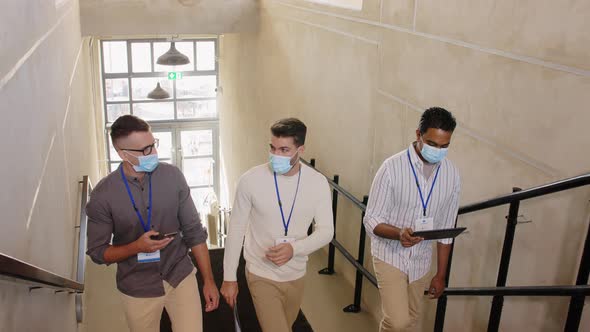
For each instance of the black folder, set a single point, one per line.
(439, 233)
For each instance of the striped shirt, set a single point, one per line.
(395, 200)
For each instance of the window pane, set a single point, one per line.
(116, 110)
(114, 166)
(198, 172)
(141, 57)
(159, 49)
(112, 152)
(154, 111)
(185, 48)
(115, 57)
(143, 86)
(196, 87)
(202, 198)
(165, 147)
(117, 89)
(197, 109)
(197, 142)
(206, 55)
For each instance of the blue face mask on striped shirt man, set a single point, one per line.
(433, 155)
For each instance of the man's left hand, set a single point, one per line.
(437, 287)
(280, 254)
(211, 295)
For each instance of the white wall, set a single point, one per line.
(48, 138)
(165, 17)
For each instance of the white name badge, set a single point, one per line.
(148, 257)
(423, 224)
(284, 239)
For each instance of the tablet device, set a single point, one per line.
(440, 233)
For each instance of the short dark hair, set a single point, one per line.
(125, 125)
(438, 118)
(290, 127)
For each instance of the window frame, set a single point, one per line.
(130, 75)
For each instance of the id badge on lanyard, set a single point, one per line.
(423, 223)
(143, 257)
(148, 257)
(285, 238)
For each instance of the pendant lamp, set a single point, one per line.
(158, 93)
(172, 57)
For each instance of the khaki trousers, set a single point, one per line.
(182, 303)
(401, 302)
(277, 303)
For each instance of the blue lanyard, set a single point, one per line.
(286, 224)
(145, 227)
(424, 204)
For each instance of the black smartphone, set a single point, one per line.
(163, 236)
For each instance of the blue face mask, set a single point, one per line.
(280, 164)
(433, 155)
(147, 163)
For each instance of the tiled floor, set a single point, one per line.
(324, 298)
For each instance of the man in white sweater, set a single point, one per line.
(274, 205)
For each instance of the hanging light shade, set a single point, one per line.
(158, 93)
(173, 57)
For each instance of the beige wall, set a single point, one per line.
(49, 142)
(165, 17)
(359, 80)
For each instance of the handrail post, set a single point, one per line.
(80, 267)
(358, 284)
(498, 301)
(441, 303)
(574, 314)
(331, 249)
(82, 239)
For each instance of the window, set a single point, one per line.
(130, 72)
(348, 4)
(186, 124)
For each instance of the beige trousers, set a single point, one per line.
(401, 302)
(277, 303)
(182, 303)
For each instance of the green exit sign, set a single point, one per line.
(174, 75)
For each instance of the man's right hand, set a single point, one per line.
(145, 244)
(229, 290)
(407, 239)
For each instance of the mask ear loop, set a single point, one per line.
(127, 160)
(421, 142)
(296, 159)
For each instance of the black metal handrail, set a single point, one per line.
(577, 292)
(337, 187)
(564, 290)
(361, 271)
(546, 189)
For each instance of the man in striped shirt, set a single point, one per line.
(416, 188)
